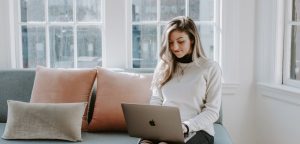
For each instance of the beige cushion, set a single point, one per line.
(63, 86)
(114, 88)
(44, 121)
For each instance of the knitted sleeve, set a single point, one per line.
(210, 112)
(156, 98)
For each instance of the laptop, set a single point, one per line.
(152, 122)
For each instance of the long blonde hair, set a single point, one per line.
(168, 65)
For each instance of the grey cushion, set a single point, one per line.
(14, 85)
(44, 120)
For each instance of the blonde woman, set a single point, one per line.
(187, 79)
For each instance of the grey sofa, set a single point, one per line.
(16, 84)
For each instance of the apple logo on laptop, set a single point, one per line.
(152, 122)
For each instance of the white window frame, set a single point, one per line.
(216, 23)
(116, 35)
(287, 46)
(17, 31)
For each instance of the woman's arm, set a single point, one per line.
(156, 98)
(210, 112)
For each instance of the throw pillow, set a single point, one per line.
(114, 88)
(63, 86)
(44, 121)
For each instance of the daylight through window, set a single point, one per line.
(150, 16)
(61, 33)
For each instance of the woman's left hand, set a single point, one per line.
(184, 129)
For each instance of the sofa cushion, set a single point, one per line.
(221, 135)
(15, 84)
(44, 121)
(63, 86)
(87, 138)
(114, 88)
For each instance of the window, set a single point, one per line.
(150, 16)
(88, 33)
(292, 43)
(60, 33)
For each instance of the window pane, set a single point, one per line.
(171, 9)
(296, 10)
(201, 10)
(144, 46)
(61, 46)
(60, 10)
(33, 46)
(32, 10)
(144, 10)
(88, 10)
(162, 28)
(89, 46)
(207, 39)
(295, 53)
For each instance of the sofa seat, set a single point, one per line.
(221, 137)
(87, 138)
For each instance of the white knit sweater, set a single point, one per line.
(197, 94)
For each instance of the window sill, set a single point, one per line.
(280, 92)
(133, 70)
(230, 88)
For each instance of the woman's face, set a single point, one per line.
(180, 43)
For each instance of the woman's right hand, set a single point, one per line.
(184, 129)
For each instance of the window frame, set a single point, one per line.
(286, 80)
(18, 48)
(110, 19)
(216, 23)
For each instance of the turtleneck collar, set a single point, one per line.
(185, 59)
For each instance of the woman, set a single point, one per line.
(185, 78)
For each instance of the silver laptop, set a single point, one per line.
(151, 122)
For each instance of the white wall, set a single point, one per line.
(5, 61)
(237, 60)
(278, 107)
(278, 115)
(239, 108)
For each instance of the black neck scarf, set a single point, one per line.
(185, 59)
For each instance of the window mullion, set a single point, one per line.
(75, 34)
(19, 53)
(293, 23)
(204, 22)
(144, 22)
(287, 45)
(187, 2)
(217, 31)
(159, 24)
(48, 63)
(129, 58)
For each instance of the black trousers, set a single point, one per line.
(201, 137)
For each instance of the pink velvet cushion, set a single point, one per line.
(63, 86)
(114, 88)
